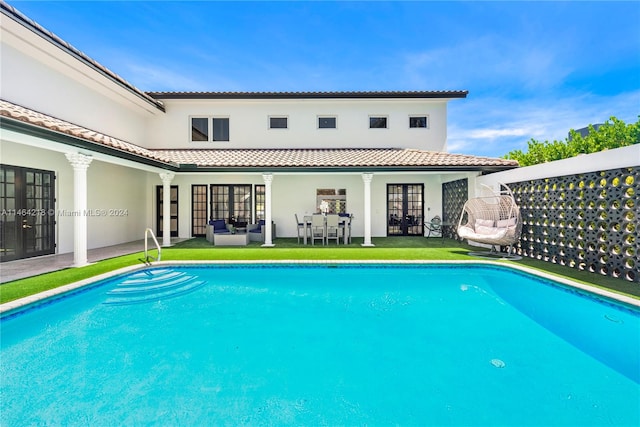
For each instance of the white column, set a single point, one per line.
(166, 178)
(80, 164)
(268, 232)
(366, 178)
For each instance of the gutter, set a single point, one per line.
(13, 14)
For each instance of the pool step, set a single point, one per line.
(151, 276)
(139, 288)
(153, 285)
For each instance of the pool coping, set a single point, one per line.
(35, 299)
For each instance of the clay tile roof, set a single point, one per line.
(333, 158)
(26, 115)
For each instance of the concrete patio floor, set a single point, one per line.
(19, 269)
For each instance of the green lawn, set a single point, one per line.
(387, 248)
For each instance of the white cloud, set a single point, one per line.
(495, 126)
(151, 77)
(495, 133)
(489, 60)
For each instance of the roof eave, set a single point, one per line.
(13, 14)
(62, 138)
(310, 95)
(342, 169)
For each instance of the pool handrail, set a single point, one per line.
(146, 247)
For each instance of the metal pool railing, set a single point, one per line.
(147, 258)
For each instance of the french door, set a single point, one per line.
(173, 210)
(405, 209)
(27, 221)
(231, 203)
(198, 210)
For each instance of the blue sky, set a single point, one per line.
(532, 69)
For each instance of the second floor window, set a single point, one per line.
(377, 122)
(418, 121)
(220, 129)
(199, 129)
(326, 122)
(278, 123)
(209, 129)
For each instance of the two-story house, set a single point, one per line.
(88, 160)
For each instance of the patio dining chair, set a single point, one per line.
(301, 226)
(333, 228)
(318, 229)
(434, 227)
(345, 225)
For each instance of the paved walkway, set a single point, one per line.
(19, 269)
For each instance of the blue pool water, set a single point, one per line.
(322, 345)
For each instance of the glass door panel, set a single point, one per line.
(198, 210)
(231, 203)
(28, 217)
(173, 210)
(405, 207)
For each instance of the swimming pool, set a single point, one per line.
(322, 344)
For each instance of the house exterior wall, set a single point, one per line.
(31, 77)
(126, 211)
(249, 123)
(117, 195)
(31, 157)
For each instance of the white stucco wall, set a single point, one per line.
(603, 160)
(120, 193)
(249, 122)
(32, 78)
(111, 188)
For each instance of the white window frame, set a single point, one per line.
(379, 116)
(277, 116)
(326, 116)
(426, 116)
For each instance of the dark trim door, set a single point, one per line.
(260, 202)
(173, 210)
(231, 203)
(27, 202)
(199, 210)
(405, 209)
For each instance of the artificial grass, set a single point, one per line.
(387, 248)
(32, 285)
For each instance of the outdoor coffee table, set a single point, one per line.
(238, 239)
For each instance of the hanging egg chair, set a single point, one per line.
(492, 220)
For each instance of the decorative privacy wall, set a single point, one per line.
(587, 221)
(454, 195)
